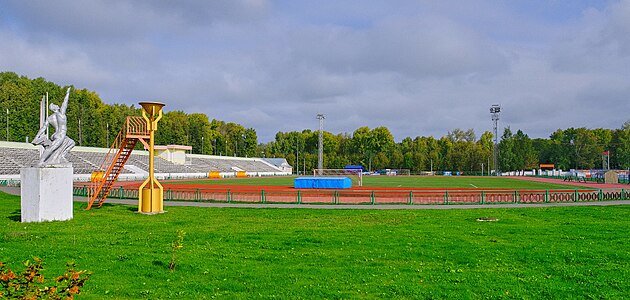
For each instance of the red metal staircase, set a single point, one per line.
(134, 130)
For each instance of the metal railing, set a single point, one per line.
(10, 182)
(411, 197)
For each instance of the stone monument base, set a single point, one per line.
(46, 193)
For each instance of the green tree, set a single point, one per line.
(507, 154)
(361, 146)
(199, 132)
(173, 129)
(250, 143)
(623, 147)
(526, 158)
(587, 151)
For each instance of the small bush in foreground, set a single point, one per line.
(31, 284)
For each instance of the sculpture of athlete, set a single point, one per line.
(56, 148)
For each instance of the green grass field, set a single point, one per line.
(406, 182)
(532, 253)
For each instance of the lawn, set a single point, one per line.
(536, 253)
(404, 182)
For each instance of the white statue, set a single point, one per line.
(56, 148)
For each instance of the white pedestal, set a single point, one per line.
(46, 193)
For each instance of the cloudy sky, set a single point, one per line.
(416, 67)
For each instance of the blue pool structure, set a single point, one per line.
(322, 183)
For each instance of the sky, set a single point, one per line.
(419, 68)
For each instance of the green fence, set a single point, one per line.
(410, 197)
(9, 182)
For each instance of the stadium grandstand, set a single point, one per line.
(171, 162)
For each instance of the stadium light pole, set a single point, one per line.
(107, 133)
(320, 153)
(244, 145)
(7, 124)
(80, 134)
(202, 144)
(494, 111)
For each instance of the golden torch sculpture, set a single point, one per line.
(151, 194)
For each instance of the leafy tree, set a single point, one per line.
(458, 135)
(507, 155)
(623, 147)
(250, 143)
(361, 146)
(198, 132)
(587, 151)
(525, 155)
(174, 129)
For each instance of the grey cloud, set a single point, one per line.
(207, 12)
(315, 85)
(118, 20)
(411, 46)
(418, 68)
(58, 64)
(601, 43)
(433, 47)
(605, 95)
(86, 20)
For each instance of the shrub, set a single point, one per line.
(176, 245)
(31, 284)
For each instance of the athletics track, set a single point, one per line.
(229, 194)
(174, 184)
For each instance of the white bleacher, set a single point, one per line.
(85, 160)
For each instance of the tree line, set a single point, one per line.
(459, 150)
(94, 123)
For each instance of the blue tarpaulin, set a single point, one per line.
(354, 167)
(322, 183)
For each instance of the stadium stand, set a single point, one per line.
(85, 160)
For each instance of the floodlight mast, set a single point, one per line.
(320, 153)
(495, 110)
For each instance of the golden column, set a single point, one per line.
(151, 194)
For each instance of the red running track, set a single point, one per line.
(175, 190)
(175, 185)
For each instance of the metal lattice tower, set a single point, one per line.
(320, 153)
(495, 110)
